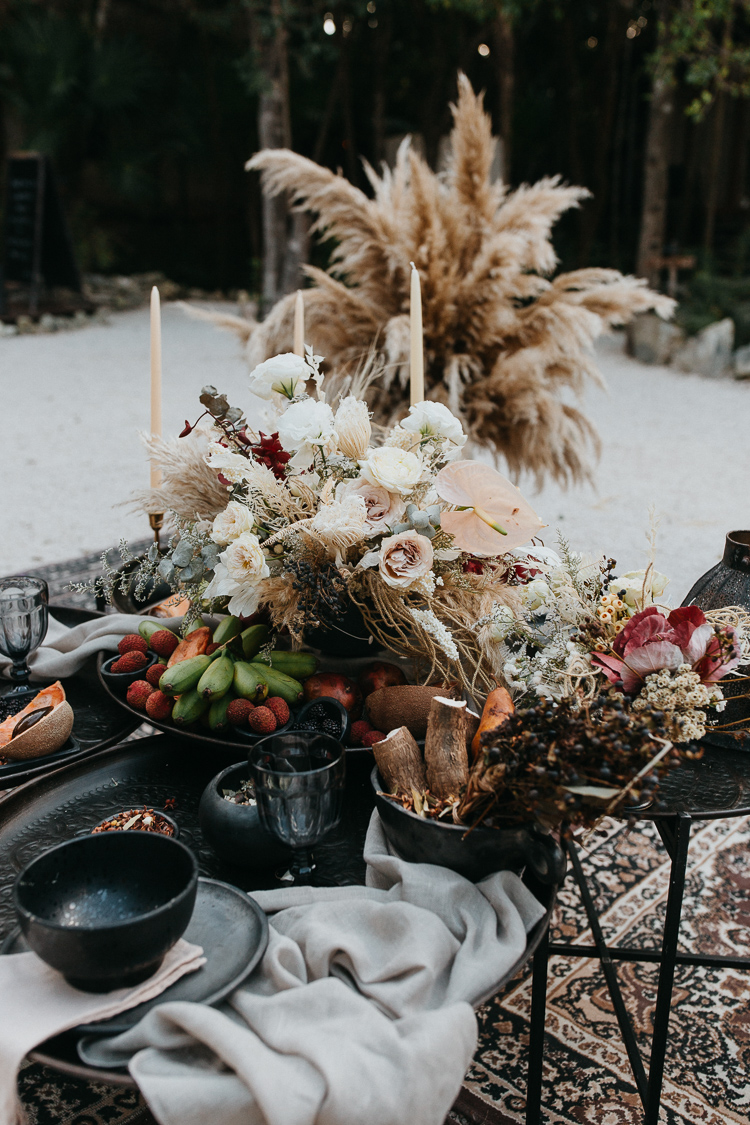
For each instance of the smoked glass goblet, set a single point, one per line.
(299, 788)
(24, 615)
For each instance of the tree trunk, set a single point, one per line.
(654, 212)
(714, 168)
(284, 252)
(504, 54)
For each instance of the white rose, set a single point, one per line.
(285, 374)
(534, 594)
(632, 585)
(239, 574)
(353, 427)
(231, 523)
(433, 420)
(396, 470)
(305, 426)
(383, 508)
(405, 559)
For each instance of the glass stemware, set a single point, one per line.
(299, 787)
(24, 615)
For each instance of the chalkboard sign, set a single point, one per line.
(38, 247)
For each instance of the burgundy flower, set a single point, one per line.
(650, 642)
(269, 452)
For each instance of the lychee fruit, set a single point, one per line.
(132, 661)
(238, 711)
(164, 642)
(133, 642)
(212, 648)
(262, 720)
(159, 706)
(358, 732)
(279, 707)
(138, 693)
(372, 736)
(154, 674)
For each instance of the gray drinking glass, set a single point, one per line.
(299, 788)
(24, 615)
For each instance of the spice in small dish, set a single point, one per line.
(140, 820)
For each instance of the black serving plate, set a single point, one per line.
(51, 808)
(98, 722)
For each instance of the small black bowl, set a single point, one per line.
(235, 831)
(116, 812)
(125, 679)
(104, 910)
(473, 854)
(326, 716)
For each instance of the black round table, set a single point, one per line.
(715, 786)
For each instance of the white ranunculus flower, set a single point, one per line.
(383, 508)
(285, 374)
(353, 427)
(340, 524)
(233, 466)
(231, 523)
(434, 420)
(396, 470)
(629, 586)
(239, 574)
(305, 426)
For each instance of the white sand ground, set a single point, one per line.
(73, 403)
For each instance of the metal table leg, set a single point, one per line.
(666, 973)
(536, 1032)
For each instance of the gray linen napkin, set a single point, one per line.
(361, 1010)
(66, 650)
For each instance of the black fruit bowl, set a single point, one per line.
(325, 715)
(123, 680)
(253, 736)
(473, 854)
(104, 910)
(235, 831)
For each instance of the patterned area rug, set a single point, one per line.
(587, 1078)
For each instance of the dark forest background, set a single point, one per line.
(149, 109)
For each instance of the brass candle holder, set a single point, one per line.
(156, 522)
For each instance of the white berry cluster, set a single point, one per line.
(684, 700)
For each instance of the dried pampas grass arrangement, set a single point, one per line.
(503, 340)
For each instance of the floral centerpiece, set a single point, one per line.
(324, 514)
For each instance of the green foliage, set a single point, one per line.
(710, 298)
(707, 44)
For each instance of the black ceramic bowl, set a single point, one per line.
(123, 680)
(326, 716)
(235, 831)
(103, 910)
(253, 736)
(474, 854)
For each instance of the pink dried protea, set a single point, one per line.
(650, 642)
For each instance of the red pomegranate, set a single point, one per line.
(379, 675)
(334, 686)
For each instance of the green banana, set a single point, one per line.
(289, 689)
(227, 628)
(148, 628)
(189, 708)
(248, 681)
(184, 676)
(217, 679)
(299, 665)
(217, 714)
(253, 640)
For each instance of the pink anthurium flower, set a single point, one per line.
(492, 515)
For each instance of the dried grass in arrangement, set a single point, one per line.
(503, 340)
